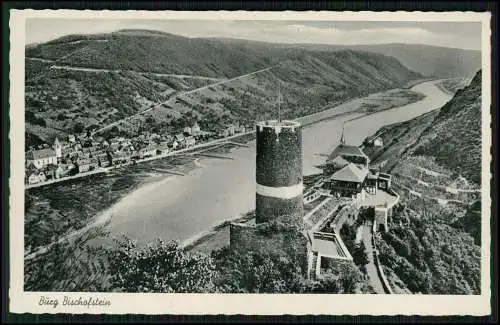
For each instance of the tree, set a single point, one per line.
(71, 265)
(160, 267)
(41, 122)
(359, 255)
(258, 272)
(78, 127)
(341, 278)
(348, 234)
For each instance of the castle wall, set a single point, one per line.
(269, 239)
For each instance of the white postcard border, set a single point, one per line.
(264, 304)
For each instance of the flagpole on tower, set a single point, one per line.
(342, 139)
(279, 101)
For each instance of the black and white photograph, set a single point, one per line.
(287, 154)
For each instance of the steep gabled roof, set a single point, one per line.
(350, 173)
(40, 154)
(30, 169)
(339, 162)
(348, 150)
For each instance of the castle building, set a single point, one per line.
(347, 181)
(344, 154)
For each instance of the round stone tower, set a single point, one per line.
(278, 170)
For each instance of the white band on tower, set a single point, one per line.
(285, 192)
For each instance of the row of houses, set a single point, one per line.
(83, 152)
(68, 158)
(232, 129)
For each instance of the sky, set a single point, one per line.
(466, 35)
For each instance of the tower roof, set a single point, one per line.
(276, 123)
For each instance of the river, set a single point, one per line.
(179, 207)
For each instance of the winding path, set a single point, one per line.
(371, 268)
(99, 70)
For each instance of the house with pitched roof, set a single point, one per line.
(103, 160)
(163, 146)
(347, 181)
(334, 165)
(187, 130)
(83, 165)
(181, 140)
(94, 163)
(36, 177)
(41, 158)
(190, 141)
(195, 130)
(352, 154)
(148, 151)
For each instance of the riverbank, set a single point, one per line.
(413, 83)
(55, 212)
(100, 170)
(217, 236)
(371, 104)
(220, 237)
(71, 206)
(452, 85)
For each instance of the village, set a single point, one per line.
(88, 153)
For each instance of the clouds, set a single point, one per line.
(460, 35)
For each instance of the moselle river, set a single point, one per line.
(179, 207)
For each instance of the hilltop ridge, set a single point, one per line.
(95, 80)
(428, 60)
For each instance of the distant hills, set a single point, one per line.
(135, 69)
(155, 51)
(432, 61)
(428, 60)
(441, 62)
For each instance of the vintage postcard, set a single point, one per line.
(264, 163)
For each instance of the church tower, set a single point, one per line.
(58, 149)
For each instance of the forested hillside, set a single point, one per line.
(434, 238)
(95, 80)
(454, 138)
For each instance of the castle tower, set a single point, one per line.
(278, 170)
